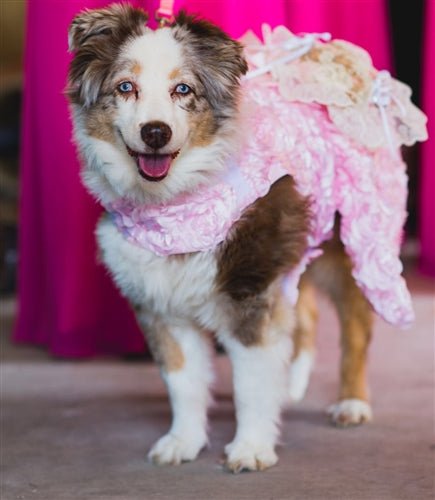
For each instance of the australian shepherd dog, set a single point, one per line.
(156, 115)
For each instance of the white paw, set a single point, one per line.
(299, 375)
(172, 450)
(241, 455)
(350, 412)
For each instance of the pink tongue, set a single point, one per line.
(154, 165)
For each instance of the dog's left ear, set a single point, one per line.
(218, 59)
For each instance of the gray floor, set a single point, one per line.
(81, 429)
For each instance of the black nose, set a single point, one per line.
(156, 134)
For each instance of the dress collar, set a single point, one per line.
(196, 221)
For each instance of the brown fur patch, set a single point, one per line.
(203, 128)
(99, 123)
(259, 319)
(175, 73)
(165, 349)
(304, 335)
(267, 242)
(332, 273)
(136, 68)
(249, 320)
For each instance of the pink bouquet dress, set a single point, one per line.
(316, 110)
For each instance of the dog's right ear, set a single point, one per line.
(103, 22)
(96, 37)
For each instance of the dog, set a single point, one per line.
(156, 115)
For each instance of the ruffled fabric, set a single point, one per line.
(367, 188)
(193, 222)
(321, 113)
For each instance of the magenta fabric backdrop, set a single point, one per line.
(427, 178)
(364, 22)
(67, 301)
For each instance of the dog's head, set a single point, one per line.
(154, 111)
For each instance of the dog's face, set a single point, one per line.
(154, 111)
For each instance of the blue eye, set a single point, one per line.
(125, 87)
(183, 89)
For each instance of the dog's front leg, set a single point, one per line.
(183, 355)
(260, 365)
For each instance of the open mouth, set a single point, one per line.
(153, 167)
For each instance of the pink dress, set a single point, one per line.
(67, 302)
(321, 113)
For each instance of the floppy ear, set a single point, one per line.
(103, 22)
(96, 38)
(212, 42)
(218, 59)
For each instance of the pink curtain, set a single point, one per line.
(67, 302)
(364, 22)
(427, 177)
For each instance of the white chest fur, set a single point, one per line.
(181, 286)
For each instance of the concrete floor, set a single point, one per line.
(80, 430)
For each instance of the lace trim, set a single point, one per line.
(372, 108)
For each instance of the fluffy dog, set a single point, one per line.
(156, 118)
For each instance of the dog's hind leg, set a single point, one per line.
(304, 338)
(333, 273)
(183, 354)
(355, 315)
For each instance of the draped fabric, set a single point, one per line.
(427, 176)
(67, 301)
(363, 22)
